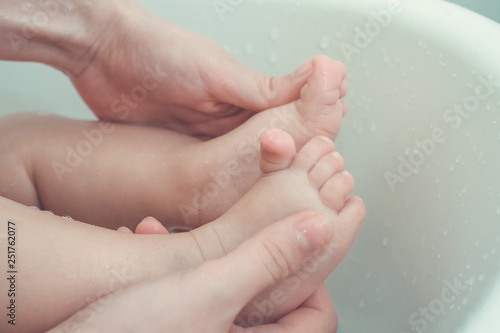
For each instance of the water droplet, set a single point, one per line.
(354, 124)
(48, 212)
(68, 7)
(34, 207)
(465, 300)
(480, 278)
(472, 281)
(273, 57)
(498, 137)
(249, 49)
(374, 128)
(28, 7)
(414, 281)
(88, 4)
(452, 167)
(422, 44)
(67, 217)
(385, 241)
(275, 34)
(324, 43)
(361, 304)
(498, 211)
(467, 267)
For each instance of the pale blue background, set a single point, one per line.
(488, 8)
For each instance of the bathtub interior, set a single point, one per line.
(488, 8)
(35, 87)
(431, 240)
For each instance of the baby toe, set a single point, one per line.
(277, 150)
(327, 166)
(335, 191)
(312, 152)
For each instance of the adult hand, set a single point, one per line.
(316, 314)
(130, 65)
(209, 298)
(148, 70)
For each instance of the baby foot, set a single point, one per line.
(225, 168)
(312, 179)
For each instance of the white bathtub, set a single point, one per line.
(488, 8)
(428, 256)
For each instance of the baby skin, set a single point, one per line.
(115, 168)
(291, 182)
(312, 181)
(116, 183)
(309, 181)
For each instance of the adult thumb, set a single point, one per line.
(273, 254)
(253, 91)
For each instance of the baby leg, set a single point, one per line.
(62, 265)
(105, 174)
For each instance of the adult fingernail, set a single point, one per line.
(303, 70)
(314, 231)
